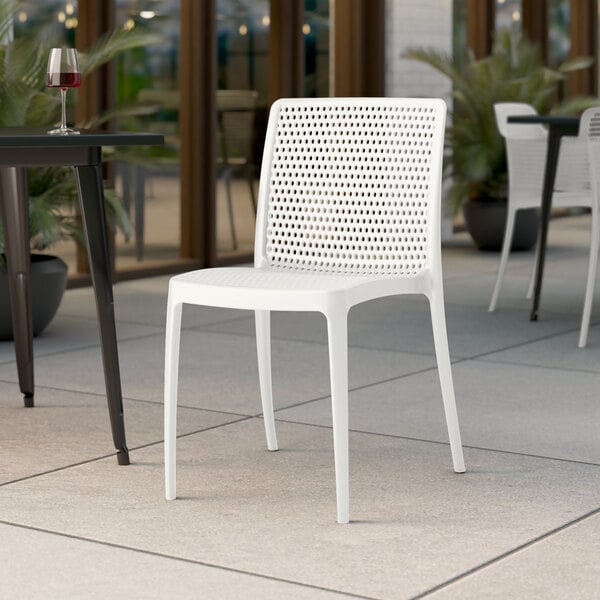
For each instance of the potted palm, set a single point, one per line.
(53, 212)
(513, 72)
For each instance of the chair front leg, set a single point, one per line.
(440, 338)
(337, 330)
(263, 347)
(591, 277)
(172, 340)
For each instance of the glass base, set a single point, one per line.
(63, 131)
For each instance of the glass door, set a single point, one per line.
(243, 96)
(242, 105)
(148, 184)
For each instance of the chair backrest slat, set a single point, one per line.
(351, 185)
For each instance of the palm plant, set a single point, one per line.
(513, 72)
(25, 101)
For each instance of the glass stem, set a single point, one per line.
(63, 99)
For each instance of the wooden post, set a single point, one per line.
(480, 26)
(198, 81)
(358, 48)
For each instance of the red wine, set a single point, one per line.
(63, 80)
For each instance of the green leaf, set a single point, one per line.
(513, 72)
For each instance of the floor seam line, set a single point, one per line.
(180, 559)
(507, 554)
(424, 440)
(131, 449)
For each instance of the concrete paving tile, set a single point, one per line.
(559, 352)
(460, 256)
(403, 324)
(512, 408)
(96, 571)
(70, 333)
(564, 565)
(69, 427)
(415, 523)
(218, 371)
(139, 301)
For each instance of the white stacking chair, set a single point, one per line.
(526, 147)
(348, 211)
(578, 176)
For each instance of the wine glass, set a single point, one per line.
(63, 72)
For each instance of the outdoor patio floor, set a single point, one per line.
(522, 522)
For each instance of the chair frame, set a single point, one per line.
(291, 280)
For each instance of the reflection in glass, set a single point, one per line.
(150, 187)
(559, 38)
(316, 43)
(243, 99)
(509, 14)
(242, 104)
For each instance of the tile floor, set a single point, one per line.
(523, 522)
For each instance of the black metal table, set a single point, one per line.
(558, 126)
(26, 147)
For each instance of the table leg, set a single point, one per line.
(140, 196)
(549, 177)
(91, 198)
(14, 210)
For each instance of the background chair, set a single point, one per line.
(526, 155)
(349, 211)
(236, 111)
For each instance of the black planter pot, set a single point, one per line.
(48, 282)
(486, 220)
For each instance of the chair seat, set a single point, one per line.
(287, 289)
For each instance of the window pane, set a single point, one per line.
(242, 104)
(559, 39)
(316, 43)
(508, 14)
(149, 188)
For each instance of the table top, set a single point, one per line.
(37, 137)
(561, 120)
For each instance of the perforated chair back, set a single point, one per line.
(589, 128)
(351, 185)
(578, 155)
(525, 151)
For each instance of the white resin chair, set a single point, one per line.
(348, 211)
(526, 155)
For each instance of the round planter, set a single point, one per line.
(486, 220)
(48, 282)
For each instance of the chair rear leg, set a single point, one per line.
(337, 330)
(591, 280)
(230, 210)
(506, 244)
(440, 338)
(251, 186)
(529, 295)
(172, 339)
(263, 346)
